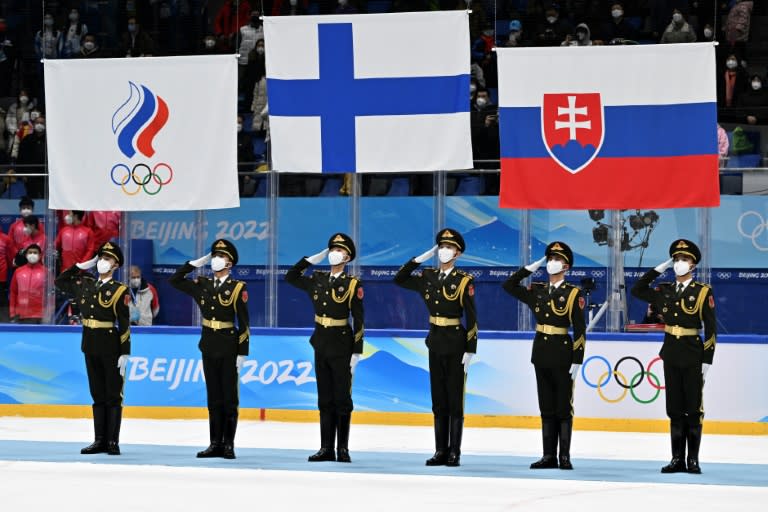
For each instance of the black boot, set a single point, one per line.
(457, 429)
(442, 425)
(216, 433)
(694, 441)
(342, 441)
(114, 418)
(566, 428)
(677, 436)
(230, 427)
(327, 438)
(99, 444)
(549, 428)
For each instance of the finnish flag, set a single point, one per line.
(369, 93)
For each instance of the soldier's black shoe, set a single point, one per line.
(676, 465)
(565, 462)
(228, 452)
(113, 448)
(342, 455)
(693, 466)
(323, 455)
(98, 446)
(214, 450)
(546, 462)
(438, 459)
(454, 460)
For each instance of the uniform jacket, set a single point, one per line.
(6, 256)
(694, 308)
(227, 304)
(454, 299)
(75, 243)
(339, 301)
(28, 287)
(109, 303)
(564, 308)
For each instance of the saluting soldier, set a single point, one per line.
(223, 303)
(106, 340)
(449, 295)
(685, 305)
(335, 297)
(556, 356)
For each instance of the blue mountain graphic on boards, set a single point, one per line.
(573, 154)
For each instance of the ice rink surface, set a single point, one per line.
(41, 469)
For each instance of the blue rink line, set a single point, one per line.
(390, 463)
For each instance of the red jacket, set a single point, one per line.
(75, 244)
(105, 226)
(229, 20)
(6, 256)
(28, 288)
(19, 239)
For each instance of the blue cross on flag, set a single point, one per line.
(369, 93)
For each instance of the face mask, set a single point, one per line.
(73, 16)
(218, 263)
(445, 254)
(707, 33)
(23, 100)
(554, 267)
(514, 36)
(259, 50)
(581, 36)
(472, 87)
(88, 45)
(551, 19)
(131, 27)
(335, 258)
(68, 219)
(681, 268)
(27, 230)
(103, 266)
(33, 257)
(39, 127)
(135, 282)
(617, 13)
(239, 127)
(33, 115)
(25, 212)
(481, 102)
(210, 43)
(731, 64)
(48, 22)
(756, 85)
(677, 17)
(488, 33)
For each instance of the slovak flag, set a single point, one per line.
(369, 92)
(608, 127)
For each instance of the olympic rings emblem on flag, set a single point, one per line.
(150, 177)
(626, 386)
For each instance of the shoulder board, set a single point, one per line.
(350, 276)
(118, 283)
(703, 285)
(566, 284)
(320, 273)
(464, 274)
(539, 285)
(429, 270)
(87, 277)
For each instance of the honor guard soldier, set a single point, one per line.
(223, 303)
(335, 297)
(556, 356)
(106, 341)
(685, 305)
(449, 295)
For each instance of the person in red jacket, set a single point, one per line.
(75, 242)
(105, 226)
(6, 256)
(19, 239)
(33, 234)
(28, 288)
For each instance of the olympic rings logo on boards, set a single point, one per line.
(624, 386)
(753, 226)
(141, 177)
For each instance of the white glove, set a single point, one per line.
(239, 363)
(574, 371)
(466, 360)
(87, 264)
(704, 370)
(533, 267)
(661, 267)
(199, 262)
(122, 363)
(317, 258)
(424, 257)
(353, 362)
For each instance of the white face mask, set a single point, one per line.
(554, 267)
(481, 102)
(135, 282)
(681, 268)
(551, 19)
(445, 254)
(707, 33)
(259, 50)
(23, 100)
(39, 127)
(731, 64)
(68, 218)
(89, 45)
(103, 266)
(335, 258)
(25, 212)
(757, 85)
(617, 13)
(210, 43)
(218, 263)
(33, 257)
(239, 127)
(33, 115)
(677, 17)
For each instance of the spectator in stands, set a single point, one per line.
(18, 112)
(7, 59)
(250, 35)
(618, 29)
(515, 36)
(345, 7)
(90, 49)
(231, 17)
(260, 122)
(553, 28)
(678, 31)
(140, 307)
(28, 288)
(289, 7)
(73, 35)
(484, 56)
(484, 125)
(582, 37)
(755, 100)
(26, 128)
(722, 144)
(32, 235)
(16, 230)
(136, 42)
(32, 158)
(105, 226)
(48, 40)
(731, 82)
(708, 33)
(6, 257)
(75, 242)
(737, 26)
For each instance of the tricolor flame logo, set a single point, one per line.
(137, 121)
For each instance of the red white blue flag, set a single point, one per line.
(608, 127)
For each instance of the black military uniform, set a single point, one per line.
(106, 336)
(334, 343)
(683, 353)
(447, 298)
(221, 341)
(554, 351)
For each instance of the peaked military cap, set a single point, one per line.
(225, 247)
(111, 249)
(452, 237)
(343, 241)
(686, 247)
(561, 249)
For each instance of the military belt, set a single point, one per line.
(676, 330)
(217, 325)
(551, 329)
(97, 324)
(330, 322)
(443, 322)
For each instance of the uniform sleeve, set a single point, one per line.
(179, 280)
(243, 322)
(296, 277)
(124, 322)
(470, 315)
(67, 280)
(358, 327)
(513, 287)
(710, 327)
(579, 328)
(404, 278)
(642, 288)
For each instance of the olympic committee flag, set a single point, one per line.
(142, 134)
(608, 127)
(369, 92)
